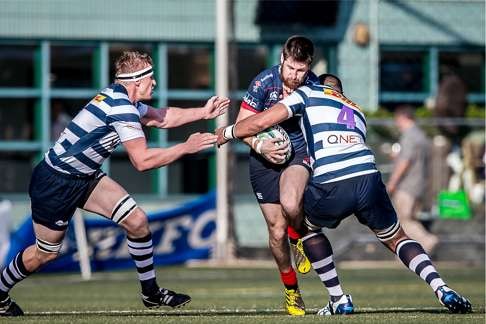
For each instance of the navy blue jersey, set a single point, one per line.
(265, 90)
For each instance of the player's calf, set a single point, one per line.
(413, 256)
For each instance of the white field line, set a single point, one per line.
(237, 311)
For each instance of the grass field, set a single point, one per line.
(250, 295)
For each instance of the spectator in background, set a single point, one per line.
(451, 102)
(407, 184)
(60, 120)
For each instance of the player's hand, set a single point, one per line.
(199, 141)
(221, 139)
(274, 150)
(391, 187)
(215, 106)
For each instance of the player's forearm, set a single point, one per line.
(154, 158)
(398, 173)
(179, 116)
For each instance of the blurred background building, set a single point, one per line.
(56, 54)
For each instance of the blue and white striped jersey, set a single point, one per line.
(94, 133)
(335, 132)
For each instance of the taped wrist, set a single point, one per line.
(258, 148)
(229, 132)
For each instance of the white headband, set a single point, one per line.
(137, 75)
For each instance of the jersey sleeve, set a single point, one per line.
(125, 120)
(296, 101)
(254, 98)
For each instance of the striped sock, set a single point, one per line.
(414, 257)
(319, 251)
(12, 274)
(141, 250)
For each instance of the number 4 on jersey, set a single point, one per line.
(346, 117)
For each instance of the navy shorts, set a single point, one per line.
(326, 205)
(265, 175)
(55, 196)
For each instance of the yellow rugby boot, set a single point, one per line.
(294, 303)
(301, 261)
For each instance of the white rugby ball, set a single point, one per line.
(280, 133)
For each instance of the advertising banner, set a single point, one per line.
(184, 233)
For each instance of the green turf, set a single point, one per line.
(244, 296)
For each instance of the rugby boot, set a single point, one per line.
(454, 302)
(344, 306)
(294, 303)
(165, 297)
(8, 307)
(301, 261)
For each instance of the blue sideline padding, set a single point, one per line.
(184, 233)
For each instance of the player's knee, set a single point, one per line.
(278, 234)
(137, 224)
(391, 236)
(123, 209)
(46, 251)
(292, 210)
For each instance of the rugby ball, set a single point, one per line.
(280, 133)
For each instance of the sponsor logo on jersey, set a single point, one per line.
(273, 95)
(268, 76)
(99, 98)
(344, 139)
(256, 85)
(250, 100)
(338, 95)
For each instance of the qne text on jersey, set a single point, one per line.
(333, 138)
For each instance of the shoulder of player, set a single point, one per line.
(311, 79)
(115, 96)
(266, 76)
(335, 95)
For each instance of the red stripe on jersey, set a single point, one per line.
(246, 106)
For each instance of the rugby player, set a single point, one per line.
(345, 181)
(69, 176)
(279, 187)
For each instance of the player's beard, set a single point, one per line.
(292, 84)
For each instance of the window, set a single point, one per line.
(181, 133)
(402, 71)
(189, 67)
(241, 177)
(189, 174)
(469, 66)
(72, 66)
(122, 171)
(320, 63)
(251, 61)
(17, 66)
(16, 169)
(16, 119)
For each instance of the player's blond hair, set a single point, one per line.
(131, 61)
